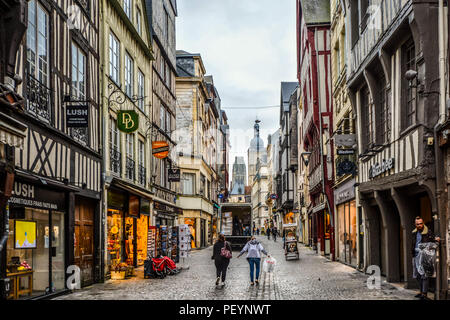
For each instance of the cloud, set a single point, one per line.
(249, 46)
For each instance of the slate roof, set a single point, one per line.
(316, 11)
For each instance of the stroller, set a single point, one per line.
(159, 267)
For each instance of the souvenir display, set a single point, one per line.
(174, 254)
(151, 242)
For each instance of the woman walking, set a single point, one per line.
(253, 249)
(220, 260)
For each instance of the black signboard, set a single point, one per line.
(343, 152)
(174, 175)
(77, 116)
(346, 167)
(33, 196)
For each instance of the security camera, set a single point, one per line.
(410, 75)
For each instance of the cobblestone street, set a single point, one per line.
(311, 277)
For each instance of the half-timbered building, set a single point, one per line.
(126, 86)
(57, 187)
(393, 79)
(161, 17)
(314, 76)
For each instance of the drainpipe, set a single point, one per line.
(6, 224)
(441, 283)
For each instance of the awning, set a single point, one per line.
(12, 132)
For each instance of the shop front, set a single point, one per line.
(166, 220)
(37, 243)
(128, 222)
(347, 225)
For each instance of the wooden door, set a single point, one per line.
(84, 240)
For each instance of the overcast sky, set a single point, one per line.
(249, 46)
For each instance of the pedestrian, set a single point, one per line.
(220, 261)
(257, 231)
(268, 233)
(274, 232)
(421, 234)
(253, 249)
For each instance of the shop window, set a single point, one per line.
(35, 237)
(115, 237)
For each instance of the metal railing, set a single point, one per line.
(130, 166)
(115, 161)
(142, 174)
(38, 98)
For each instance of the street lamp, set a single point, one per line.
(305, 157)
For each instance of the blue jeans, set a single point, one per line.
(254, 262)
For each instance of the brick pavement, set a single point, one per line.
(311, 277)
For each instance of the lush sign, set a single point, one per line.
(77, 116)
(127, 121)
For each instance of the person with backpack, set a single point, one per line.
(253, 249)
(221, 256)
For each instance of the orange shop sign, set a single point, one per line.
(160, 149)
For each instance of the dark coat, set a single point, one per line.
(217, 249)
(427, 236)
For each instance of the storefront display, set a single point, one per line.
(129, 240)
(184, 241)
(164, 235)
(151, 242)
(35, 251)
(191, 223)
(115, 237)
(141, 239)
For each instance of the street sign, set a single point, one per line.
(220, 195)
(273, 196)
(174, 175)
(160, 149)
(127, 121)
(77, 116)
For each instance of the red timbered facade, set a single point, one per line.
(314, 76)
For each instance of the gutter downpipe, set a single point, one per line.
(441, 283)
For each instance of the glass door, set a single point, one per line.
(57, 250)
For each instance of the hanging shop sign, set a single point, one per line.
(345, 140)
(345, 193)
(77, 116)
(344, 152)
(346, 167)
(127, 121)
(30, 195)
(133, 206)
(160, 149)
(145, 207)
(174, 175)
(380, 168)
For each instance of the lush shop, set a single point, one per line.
(37, 252)
(128, 222)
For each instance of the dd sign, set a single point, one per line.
(127, 121)
(77, 116)
(174, 175)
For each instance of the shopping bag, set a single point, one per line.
(269, 264)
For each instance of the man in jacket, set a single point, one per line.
(421, 234)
